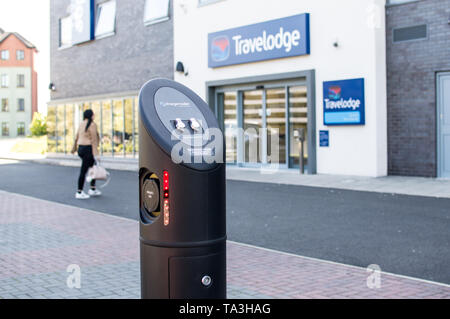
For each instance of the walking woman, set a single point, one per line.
(87, 140)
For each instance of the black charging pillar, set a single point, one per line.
(182, 195)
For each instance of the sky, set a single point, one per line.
(31, 18)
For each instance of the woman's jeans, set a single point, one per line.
(87, 158)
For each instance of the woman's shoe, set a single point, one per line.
(81, 195)
(94, 192)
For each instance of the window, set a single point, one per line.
(5, 129)
(410, 33)
(20, 55)
(5, 81)
(205, 2)
(21, 129)
(106, 19)
(65, 32)
(156, 11)
(5, 105)
(20, 80)
(5, 55)
(20, 105)
(392, 2)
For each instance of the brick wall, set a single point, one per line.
(411, 85)
(12, 43)
(119, 63)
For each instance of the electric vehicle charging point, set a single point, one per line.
(182, 195)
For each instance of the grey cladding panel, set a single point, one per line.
(410, 33)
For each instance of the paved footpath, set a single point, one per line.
(40, 239)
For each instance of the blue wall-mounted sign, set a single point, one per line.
(83, 20)
(343, 102)
(273, 39)
(324, 138)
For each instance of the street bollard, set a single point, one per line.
(182, 203)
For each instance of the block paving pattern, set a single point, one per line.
(40, 239)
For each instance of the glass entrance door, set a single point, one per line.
(252, 110)
(263, 126)
(276, 125)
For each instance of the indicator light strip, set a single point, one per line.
(166, 210)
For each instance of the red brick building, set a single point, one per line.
(18, 84)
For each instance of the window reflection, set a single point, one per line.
(118, 128)
(106, 19)
(106, 129)
(95, 107)
(230, 124)
(51, 129)
(60, 136)
(136, 127)
(128, 127)
(276, 125)
(70, 128)
(298, 122)
(117, 123)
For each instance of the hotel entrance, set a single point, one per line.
(263, 121)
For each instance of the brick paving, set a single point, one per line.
(40, 239)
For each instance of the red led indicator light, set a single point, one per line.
(166, 198)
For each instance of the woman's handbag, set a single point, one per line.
(98, 172)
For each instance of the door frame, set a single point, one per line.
(439, 109)
(272, 80)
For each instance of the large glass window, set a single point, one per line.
(21, 129)
(95, 107)
(106, 128)
(51, 129)
(118, 132)
(230, 125)
(20, 80)
(128, 127)
(391, 2)
(253, 123)
(5, 80)
(5, 129)
(298, 123)
(156, 11)
(61, 137)
(20, 105)
(116, 121)
(276, 125)
(5, 105)
(204, 2)
(20, 55)
(106, 19)
(69, 128)
(5, 54)
(65, 32)
(136, 126)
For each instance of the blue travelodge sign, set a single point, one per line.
(273, 39)
(83, 16)
(344, 102)
(324, 138)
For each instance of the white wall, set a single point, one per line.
(359, 28)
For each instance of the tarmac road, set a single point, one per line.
(407, 235)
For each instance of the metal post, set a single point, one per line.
(301, 158)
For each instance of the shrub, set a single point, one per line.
(38, 126)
